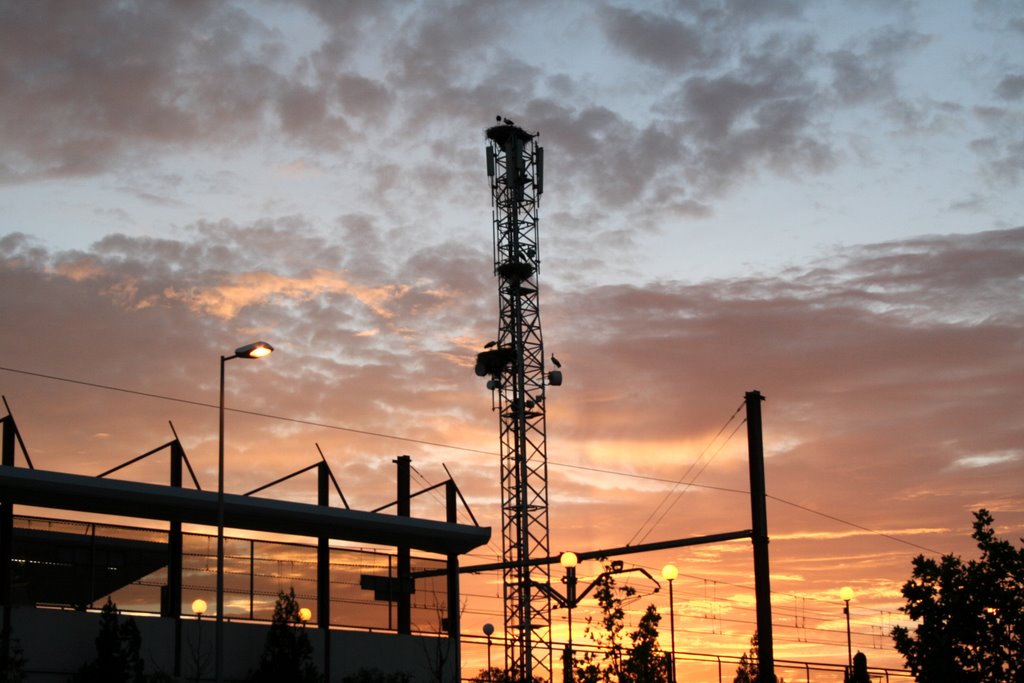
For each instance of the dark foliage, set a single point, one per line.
(118, 652)
(747, 671)
(642, 662)
(969, 615)
(375, 676)
(287, 653)
(12, 666)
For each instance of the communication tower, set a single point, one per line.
(514, 364)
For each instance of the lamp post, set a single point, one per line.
(669, 572)
(255, 350)
(305, 614)
(199, 609)
(846, 594)
(488, 631)
(569, 561)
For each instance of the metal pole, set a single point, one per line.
(759, 522)
(404, 559)
(219, 630)
(452, 583)
(672, 629)
(323, 573)
(570, 602)
(849, 647)
(174, 545)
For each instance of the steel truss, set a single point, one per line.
(515, 365)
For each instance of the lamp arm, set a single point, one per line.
(548, 590)
(618, 571)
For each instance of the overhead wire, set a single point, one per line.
(685, 474)
(465, 449)
(241, 411)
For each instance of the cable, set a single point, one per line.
(687, 488)
(457, 448)
(668, 495)
(250, 412)
(856, 526)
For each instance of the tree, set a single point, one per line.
(118, 652)
(12, 660)
(969, 615)
(646, 662)
(287, 653)
(747, 670)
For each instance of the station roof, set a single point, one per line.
(62, 491)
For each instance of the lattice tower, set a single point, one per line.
(515, 365)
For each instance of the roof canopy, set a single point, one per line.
(58, 490)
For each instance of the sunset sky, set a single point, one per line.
(820, 201)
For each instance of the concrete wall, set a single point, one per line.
(58, 643)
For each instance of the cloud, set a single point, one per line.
(662, 41)
(1011, 87)
(891, 373)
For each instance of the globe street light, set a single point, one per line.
(846, 594)
(569, 561)
(255, 350)
(488, 631)
(669, 572)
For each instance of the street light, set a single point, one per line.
(488, 631)
(669, 572)
(569, 561)
(305, 614)
(846, 594)
(255, 350)
(199, 607)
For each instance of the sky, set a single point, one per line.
(819, 201)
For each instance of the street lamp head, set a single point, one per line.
(569, 560)
(488, 629)
(255, 350)
(669, 572)
(199, 606)
(846, 593)
(305, 614)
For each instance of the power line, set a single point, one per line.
(253, 413)
(856, 526)
(668, 495)
(464, 449)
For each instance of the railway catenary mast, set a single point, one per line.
(514, 364)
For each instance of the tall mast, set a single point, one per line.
(515, 367)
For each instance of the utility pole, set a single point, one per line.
(759, 523)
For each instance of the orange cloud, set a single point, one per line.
(247, 289)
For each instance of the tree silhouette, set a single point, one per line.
(642, 662)
(287, 653)
(118, 652)
(747, 671)
(970, 615)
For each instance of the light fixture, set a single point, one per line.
(670, 572)
(199, 607)
(569, 560)
(488, 631)
(846, 594)
(305, 614)
(255, 350)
